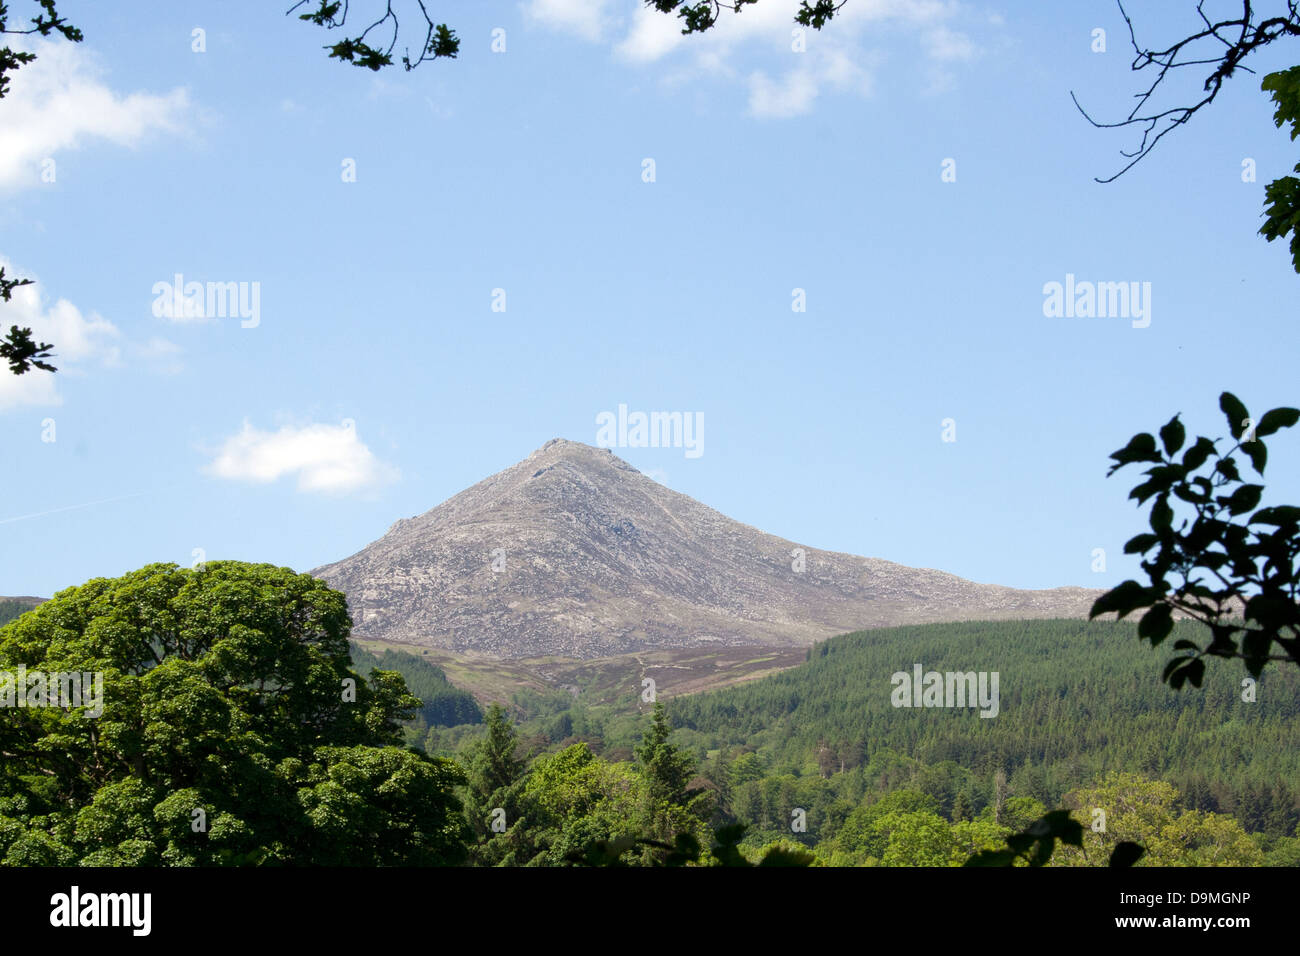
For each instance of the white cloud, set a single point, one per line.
(755, 46)
(325, 458)
(589, 19)
(78, 338)
(796, 92)
(790, 97)
(59, 102)
(652, 36)
(944, 44)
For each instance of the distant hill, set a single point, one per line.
(11, 607)
(595, 559)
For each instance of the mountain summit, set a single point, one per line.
(573, 552)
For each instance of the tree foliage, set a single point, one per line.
(439, 41)
(1235, 567)
(442, 703)
(18, 348)
(232, 730)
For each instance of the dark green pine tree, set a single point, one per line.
(667, 769)
(492, 802)
(960, 807)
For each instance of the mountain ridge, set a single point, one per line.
(574, 552)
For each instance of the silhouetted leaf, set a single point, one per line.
(1173, 435)
(1275, 420)
(1278, 516)
(1140, 448)
(1123, 599)
(1196, 455)
(992, 858)
(1141, 543)
(1246, 498)
(1156, 624)
(1235, 412)
(1126, 853)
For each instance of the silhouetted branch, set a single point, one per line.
(1240, 37)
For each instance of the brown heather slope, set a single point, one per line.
(601, 560)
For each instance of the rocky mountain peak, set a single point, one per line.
(574, 552)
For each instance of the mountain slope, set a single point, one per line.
(600, 559)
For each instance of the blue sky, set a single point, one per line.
(774, 170)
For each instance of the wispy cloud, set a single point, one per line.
(324, 458)
(84, 504)
(589, 19)
(60, 102)
(784, 69)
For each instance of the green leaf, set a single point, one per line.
(1235, 412)
(1282, 213)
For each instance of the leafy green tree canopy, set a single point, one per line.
(229, 728)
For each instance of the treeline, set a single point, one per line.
(572, 806)
(443, 704)
(1077, 700)
(260, 743)
(819, 758)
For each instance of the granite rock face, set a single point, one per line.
(573, 552)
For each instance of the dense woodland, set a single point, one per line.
(1204, 775)
(239, 726)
